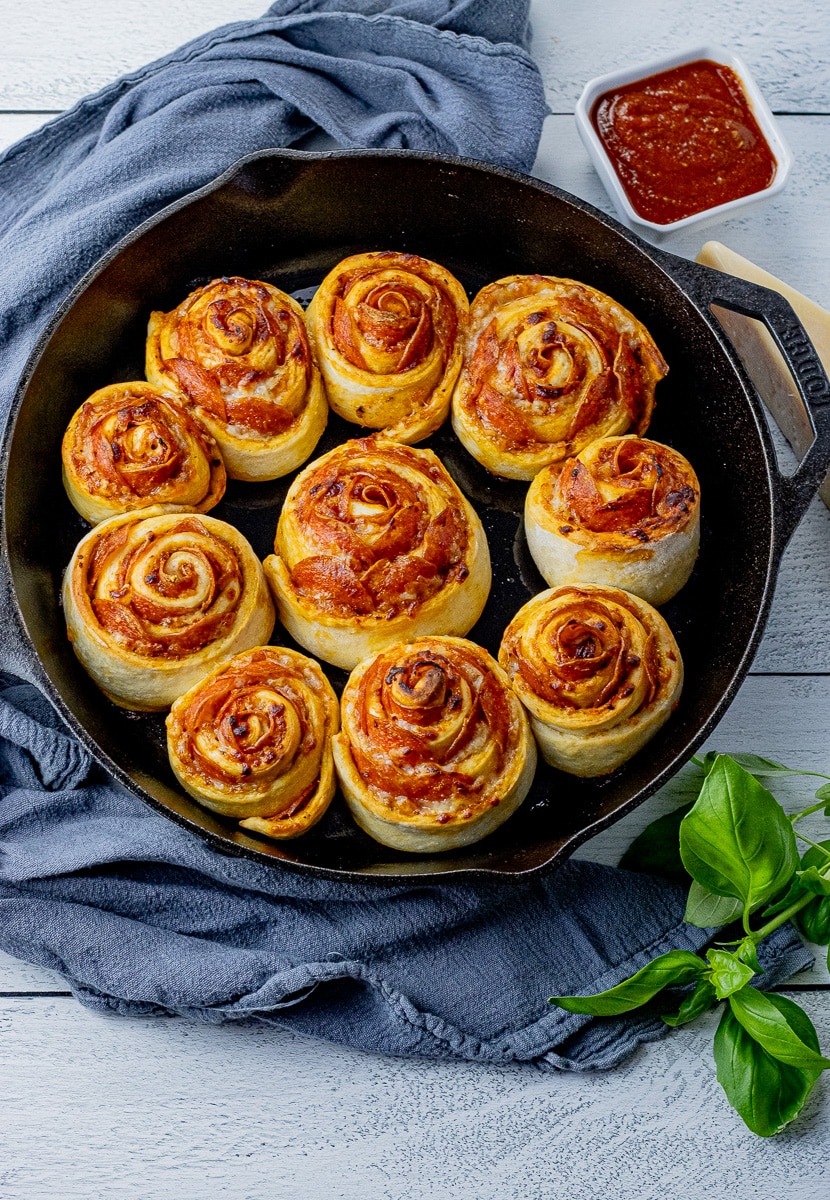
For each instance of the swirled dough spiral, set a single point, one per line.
(153, 600)
(237, 349)
(133, 445)
(599, 672)
(376, 544)
(252, 740)
(625, 512)
(549, 366)
(387, 329)
(435, 751)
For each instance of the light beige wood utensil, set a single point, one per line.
(763, 360)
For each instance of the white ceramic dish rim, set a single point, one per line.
(594, 88)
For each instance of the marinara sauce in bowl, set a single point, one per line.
(681, 141)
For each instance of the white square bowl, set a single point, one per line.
(605, 168)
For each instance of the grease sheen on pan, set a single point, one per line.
(238, 350)
(252, 740)
(375, 544)
(153, 600)
(549, 366)
(624, 512)
(133, 445)
(599, 672)
(435, 751)
(387, 330)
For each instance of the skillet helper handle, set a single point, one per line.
(749, 299)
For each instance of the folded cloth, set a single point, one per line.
(440, 75)
(141, 916)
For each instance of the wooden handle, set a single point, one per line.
(763, 360)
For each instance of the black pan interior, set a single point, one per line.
(288, 219)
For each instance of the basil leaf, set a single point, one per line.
(813, 881)
(708, 911)
(727, 973)
(762, 768)
(769, 1020)
(675, 967)
(695, 1004)
(793, 892)
(813, 921)
(814, 856)
(736, 841)
(766, 1093)
(823, 793)
(746, 952)
(656, 851)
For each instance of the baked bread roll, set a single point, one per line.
(387, 331)
(375, 544)
(154, 600)
(625, 512)
(549, 366)
(237, 349)
(252, 740)
(435, 751)
(133, 445)
(599, 672)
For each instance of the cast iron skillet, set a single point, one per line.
(288, 217)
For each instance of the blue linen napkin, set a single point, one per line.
(142, 918)
(139, 915)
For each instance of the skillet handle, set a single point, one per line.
(708, 287)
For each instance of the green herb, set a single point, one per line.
(739, 848)
(736, 840)
(767, 1093)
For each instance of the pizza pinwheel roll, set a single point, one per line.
(625, 512)
(252, 740)
(599, 672)
(435, 751)
(376, 544)
(133, 445)
(387, 329)
(237, 349)
(153, 600)
(549, 366)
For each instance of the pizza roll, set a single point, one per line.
(435, 751)
(376, 544)
(549, 366)
(599, 672)
(154, 600)
(133, 445)
(237, 349)
(252, 740)
(625, 512)
(387, 330)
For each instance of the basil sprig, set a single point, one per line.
(737, 848)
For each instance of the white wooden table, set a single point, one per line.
(104, 1107)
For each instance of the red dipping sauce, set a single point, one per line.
(683, 141)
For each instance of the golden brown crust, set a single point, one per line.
(238, 351)
(133, 445)
(155, 599)
(550, 365)
(252, 740)
(599, 671)
(387, 329)
(624, 512)
(376, 543)
(435, 750)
